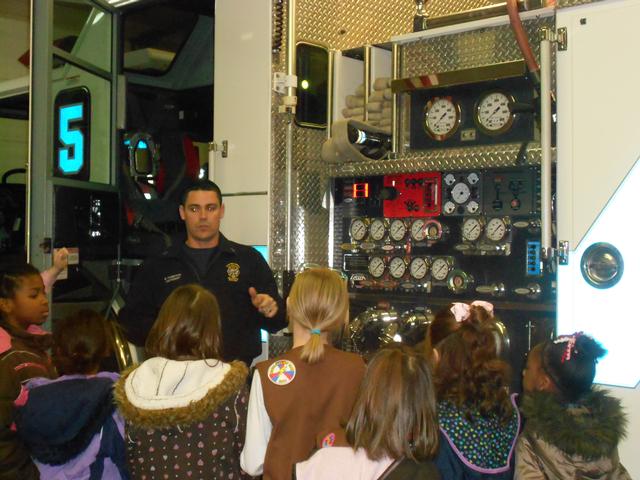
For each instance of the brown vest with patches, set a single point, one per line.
(316, 402)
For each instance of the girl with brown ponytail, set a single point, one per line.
(303, 398)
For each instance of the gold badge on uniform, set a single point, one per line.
(233, 272)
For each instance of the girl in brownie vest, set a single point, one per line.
(303, 398)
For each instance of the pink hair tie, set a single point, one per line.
(486, 305)
(461, 311)
(569, 350)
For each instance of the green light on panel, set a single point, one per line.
(304, 84)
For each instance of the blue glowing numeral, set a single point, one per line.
(71, 137)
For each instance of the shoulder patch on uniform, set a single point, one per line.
(282, 372)
(172, 278)
(329, 440)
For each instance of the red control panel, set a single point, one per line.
(413, 195)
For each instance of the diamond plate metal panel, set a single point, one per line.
(573, 3)
(445, 159)
(278, 226)
(343, 24)
(310, 228)
(468, 49)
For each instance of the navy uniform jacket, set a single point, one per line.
(232, 269)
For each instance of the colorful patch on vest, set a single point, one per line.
(329, 440)
(233, 272)
(282, 372)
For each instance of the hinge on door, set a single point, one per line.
(563, 252)
(224, 148)
(281, 81)
(560, 36)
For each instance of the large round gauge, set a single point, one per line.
(418, 268)
(460, 193)
(471, 229)
(397, 230)
(358, 229)
(441, 118)
(493, 113)
(397, 267)
(376, 266)
(496, 229)
(418, 232)
(440, 269)
(377, 229)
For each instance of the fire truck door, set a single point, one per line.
(240, 160)
(598, 193)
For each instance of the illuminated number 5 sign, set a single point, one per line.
(71, 133)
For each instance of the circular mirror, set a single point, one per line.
(602, 265)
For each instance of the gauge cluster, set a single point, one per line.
(481, 113)
(483, 242)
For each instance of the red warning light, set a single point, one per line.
(360, 190)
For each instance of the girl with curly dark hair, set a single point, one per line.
(572, 427)
(479, 421)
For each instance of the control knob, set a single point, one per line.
(495, 289)
(533, 290)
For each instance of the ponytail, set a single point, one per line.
(313, 350)
(318, 302)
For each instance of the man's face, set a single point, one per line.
(202, 212)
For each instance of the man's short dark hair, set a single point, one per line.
(199, 185)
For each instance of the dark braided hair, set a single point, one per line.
(570, 361)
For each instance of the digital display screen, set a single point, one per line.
(360, 190)
(72, 129)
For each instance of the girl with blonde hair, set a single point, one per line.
(304, 397)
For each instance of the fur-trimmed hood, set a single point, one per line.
(163, 393)
(591, 428)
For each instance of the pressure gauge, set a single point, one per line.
(471, 229)
(441, 118)
(473, 178)
(493, 113)
(377, 229)
(459, 281)
(449, 207)
(440, 269)
(418, 232)
(397, 230)
(449, 179)
(472, 206)
(418, 268)
(397, 267)
(496, 229)
(376, 266)
(460, 193)
(433, 230)
(358, 229)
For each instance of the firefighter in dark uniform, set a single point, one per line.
(237, 274)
